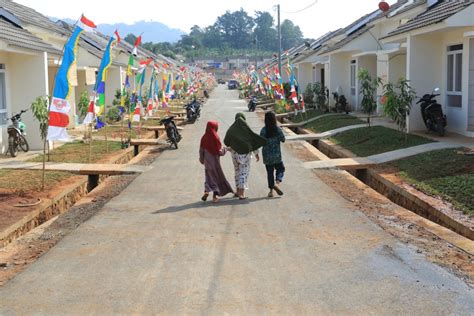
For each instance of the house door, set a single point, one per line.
(471, 87)
(353, 85)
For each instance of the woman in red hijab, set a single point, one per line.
(209, 155)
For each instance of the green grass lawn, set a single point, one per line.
(444, 173)
(78, 152)
(328, 123)
(306, 116)
(367, 141)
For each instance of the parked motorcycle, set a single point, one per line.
(252, 105)
(432, 113)
(174, 137)
(206, 94)
(17, 135)
(341, 103)
(193, 111)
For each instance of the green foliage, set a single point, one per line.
(233, 33)
(367, 141)
(281, 106)
(368, 89)
(39, 108)
(332, 122)
(447, 173)
(287, 89)
(309, 94)
(113, 114)
(322, 98)
(397, 104)
(83, 104)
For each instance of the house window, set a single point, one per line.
(454, 76)
(353, 77)
(3, 99)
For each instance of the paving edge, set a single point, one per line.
(442, 232)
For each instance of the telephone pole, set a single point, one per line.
(279, 40)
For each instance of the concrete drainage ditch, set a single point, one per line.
(410, 199)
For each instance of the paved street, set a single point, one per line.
(156, 248)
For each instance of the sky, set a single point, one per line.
(324, 16)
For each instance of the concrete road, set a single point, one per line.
(157, 249)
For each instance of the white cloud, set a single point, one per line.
(325, 16)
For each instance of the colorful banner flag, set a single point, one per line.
(60, 107)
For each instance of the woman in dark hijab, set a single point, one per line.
(210, 152)
(242, 143)
(271, 153)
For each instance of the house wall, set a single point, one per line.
(27, 80)
(4, 59)
(305, 75)
(368, 62)
(425, 61)
(113, 83)
(339, 75)
(470, 126)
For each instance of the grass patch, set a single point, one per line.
(333, 122)
(444, 173)
(30, 180)
(367, 141)
(307, 115)
(78, 152)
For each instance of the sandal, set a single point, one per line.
(215, 200)
(270, 194)
(204, 197)
(277, 190)
(243, 198)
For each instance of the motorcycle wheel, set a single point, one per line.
(173, 138)
(23, 143)
(440, 128)
(12, 146)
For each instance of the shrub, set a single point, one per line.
(368, 89)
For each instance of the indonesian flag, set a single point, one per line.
(135, 47)
(150, 108)
(293, 95)
(90, 114)
(136, 113)
(117, 35)
(58, 119)
(86, 24)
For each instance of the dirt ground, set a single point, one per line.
(382, 212)
(16, 256)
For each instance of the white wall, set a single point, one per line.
(339, 75)
(114, 81)
(305, 75)
(424, 70)
(368, 62)
(28, 79)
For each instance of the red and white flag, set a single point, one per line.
(150, 108)
(135, 47)
(58, 119)
(303, 106)
(86, 24)
(136, 113)
(117, 36)
(293, 95)
(90, 114)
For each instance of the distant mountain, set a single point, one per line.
(155, 32)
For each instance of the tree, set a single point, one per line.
(236, 28)
(368, 89)
(397, 105)
(291, 35)
(130, 38)
(265, 32)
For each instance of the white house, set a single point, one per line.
(439, 45)
(23, 74)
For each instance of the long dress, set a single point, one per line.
(215, 179)
(241, 168)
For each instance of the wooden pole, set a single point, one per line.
(90, 142)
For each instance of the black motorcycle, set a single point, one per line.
(206, 94)
(341, 103)
(17, 135)
(432, 113)
(193, 111)
(252, 104)
(174, 137)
